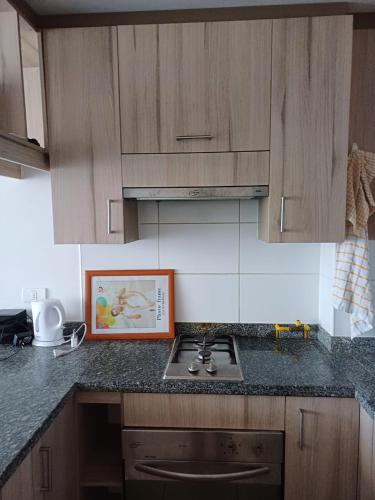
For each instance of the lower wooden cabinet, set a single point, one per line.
(49, 470)
(321, 448)
(366, 469)
(204, 411)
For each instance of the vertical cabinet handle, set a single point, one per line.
(45, 456)
(109, 216)
(282, 214)
(301, 428)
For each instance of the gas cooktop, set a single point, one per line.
(204, 357)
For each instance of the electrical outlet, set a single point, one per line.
(33, 294)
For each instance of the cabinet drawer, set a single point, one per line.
(204, 411)
(196, 169)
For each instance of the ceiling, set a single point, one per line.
(48, 7)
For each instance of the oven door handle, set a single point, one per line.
(150, 468)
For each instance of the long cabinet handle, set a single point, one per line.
(282, 214)
(45, 454)
(301, 428)
(109, 216)
(193, 136)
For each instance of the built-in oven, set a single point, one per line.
(187, 464)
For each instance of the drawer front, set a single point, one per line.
(196, 169)
(204, 411)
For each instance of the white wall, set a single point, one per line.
(223, 273)
(337, 323)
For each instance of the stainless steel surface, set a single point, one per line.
(282, 214)
(301, 428)
(204, 358)
(193, 136)
(202, 444)
(109, 216)
(213, 456)
(196, 193)
(154, 469)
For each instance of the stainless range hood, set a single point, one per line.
(196, 193)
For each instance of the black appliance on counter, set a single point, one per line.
(188, 464)
(14, 328)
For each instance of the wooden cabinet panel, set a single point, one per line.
(12, 103)
(59, 447)
(84, 135)
(49, 471)
(188, 79)
(311, 65)
(138, 73)
(20, 485)
(366, 469)
(199, 169)
(204, 411)
(321, 448)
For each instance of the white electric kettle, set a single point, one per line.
(48, 320)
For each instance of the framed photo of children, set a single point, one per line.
(130, 304)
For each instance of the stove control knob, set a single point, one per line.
(193, 367)
(211, 368)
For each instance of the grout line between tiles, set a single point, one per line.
(158, 213)
(239, 260)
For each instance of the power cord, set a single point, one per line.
(57, 353)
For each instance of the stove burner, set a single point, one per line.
(204, 354)
(204, 357)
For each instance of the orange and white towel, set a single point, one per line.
(351, 287)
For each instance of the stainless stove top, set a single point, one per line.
(206, 357)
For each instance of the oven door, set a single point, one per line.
(199, 480)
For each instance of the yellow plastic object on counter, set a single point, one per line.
(297, 327)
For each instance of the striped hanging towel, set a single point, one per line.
(351, 287)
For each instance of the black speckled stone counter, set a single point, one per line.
(34, 385)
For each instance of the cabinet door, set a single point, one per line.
(321, 448)
(12, 104)
(311, 67)
(54, 458)
(20, 486)
(84, 136)
(195, 87)
(366, 469)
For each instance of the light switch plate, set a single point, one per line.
(33, 294)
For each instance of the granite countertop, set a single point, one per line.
(34, 385)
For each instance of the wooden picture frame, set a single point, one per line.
(129, 304)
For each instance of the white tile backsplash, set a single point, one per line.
(326, 312)
(194, 211)
(147, 212)
(249, 210)
(259, 257)
(199, 248)
(279, 298)
(207, 298)
(141, 254)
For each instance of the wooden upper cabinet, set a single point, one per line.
(12, 102)
(311, 68)
(366, 466)
(321, 448)
(84, 137)
(195, 87)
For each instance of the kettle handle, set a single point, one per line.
(60, 317)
